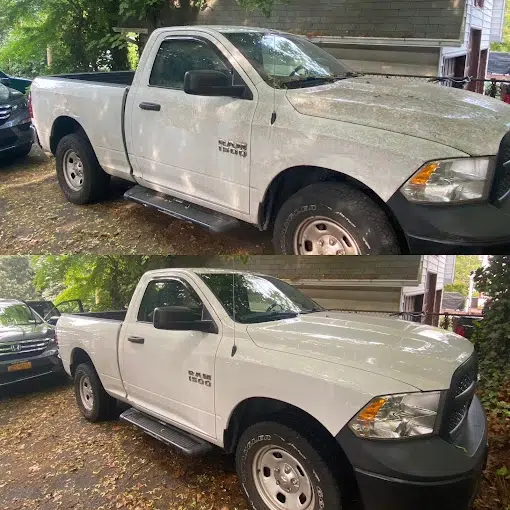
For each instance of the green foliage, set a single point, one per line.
(101, 282)
(492, 334)
(464, 265)
(80, 33)
(16, 278)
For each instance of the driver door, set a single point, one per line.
(177, 138)
(170, 373)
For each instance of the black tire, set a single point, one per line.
(95, 179)
(103, 406)
(325, 484)
(352, 209)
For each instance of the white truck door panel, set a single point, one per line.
(178, 148)
(172, 372)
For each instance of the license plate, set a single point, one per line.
(25, 365)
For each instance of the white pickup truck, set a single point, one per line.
(223, 124)
(318, 406)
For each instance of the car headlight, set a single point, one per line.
(451, 181)
(398, 416)
(20, 106)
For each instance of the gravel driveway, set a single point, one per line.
(36, 218)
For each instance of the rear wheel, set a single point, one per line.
(79, 174)
(280, 469)
(333, 219)
(94, 403)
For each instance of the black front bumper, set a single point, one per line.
(453, 229)
(420, 474)
(46, 363)
(16, 132)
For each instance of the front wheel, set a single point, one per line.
(333, 219)
(280, 469)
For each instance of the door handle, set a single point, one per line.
(150, 106)
(136, 339)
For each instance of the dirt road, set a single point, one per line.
(36, 218)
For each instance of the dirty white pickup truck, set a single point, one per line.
(318, 406)
(222, 124)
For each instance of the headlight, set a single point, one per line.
(451, 181)
(21, 105)
(398, 416)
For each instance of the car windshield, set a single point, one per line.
(287, 61)
(17, 314)
(253, 298)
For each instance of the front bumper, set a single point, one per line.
(420, 474)
(46, 363)
(16, 132)
(453, 229)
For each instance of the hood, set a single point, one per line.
(469, 122)
(13, 334)
(417, 354)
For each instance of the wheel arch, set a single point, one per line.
(78, 356)
(63, 126)
(291, 180)
(256, 409)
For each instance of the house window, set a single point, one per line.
(479, 3)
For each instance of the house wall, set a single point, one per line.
(435, 264)
(410, 19)
(349, 283)
(475, 17)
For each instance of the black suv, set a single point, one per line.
(28, 347)
(15, 126)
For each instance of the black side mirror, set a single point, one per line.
(5, 81)
(181, 318)
(53, 321)
(211, 83)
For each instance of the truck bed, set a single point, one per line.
(112, 77)
(116, 315)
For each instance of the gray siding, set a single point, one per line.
(415, 19)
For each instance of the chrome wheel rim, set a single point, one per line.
(281, 480)
(323, 236)
(86, 393)
(73, 170)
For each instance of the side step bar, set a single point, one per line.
(212, 220)
(187, 443)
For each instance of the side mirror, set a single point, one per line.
(181, 318)
(5, 81)
(211, 83)
(52, 320)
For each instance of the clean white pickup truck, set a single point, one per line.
(222, 124)
(318, 406)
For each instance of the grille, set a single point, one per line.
(18, 350)
(5, 113)
(502, 175)
(459, 397)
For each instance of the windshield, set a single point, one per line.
(17, 314)
(286, 61)
(252, 298)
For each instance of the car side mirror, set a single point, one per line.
(53, 320)
(211, 83)
(181, 318)
(5, 81)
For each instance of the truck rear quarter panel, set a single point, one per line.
(97, 107)
(99, 339)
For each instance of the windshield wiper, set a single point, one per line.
(309, 80)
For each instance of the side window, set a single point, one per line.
(168, 293)
(178, 56)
